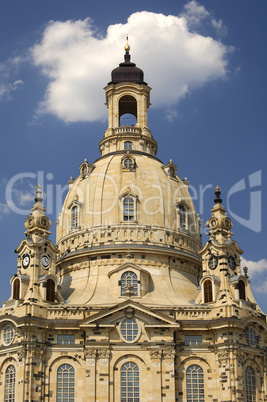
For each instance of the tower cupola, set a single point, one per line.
(127, 100)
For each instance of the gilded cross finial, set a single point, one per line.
(127, 46)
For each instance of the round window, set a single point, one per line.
(252, 337)
(129, 330)
(128, 163)
(8, 334)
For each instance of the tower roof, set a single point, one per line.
(127, 71)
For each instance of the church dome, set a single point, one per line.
(128, 212)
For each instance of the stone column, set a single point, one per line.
(102, 378)
(156, 374)
(90, 381)
(168, 374)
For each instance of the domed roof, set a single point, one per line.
(127, 72)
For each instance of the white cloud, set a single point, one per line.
(194, 13)
(6, 89)
(254, 267)
(78, 61)
(4, 209)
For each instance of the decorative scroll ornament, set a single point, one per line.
(155, 355)
(103, 355)
(168, 355)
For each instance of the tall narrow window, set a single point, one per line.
(182, 214)
(250, 385)
(65, 383)
(50, 290)
(208, 291)
(195, 384)
(128, 209)
(128, 145)
(242, 291)
(130, 383)
(129, 278)
(16, 288)
(10, 384)
(74, 217)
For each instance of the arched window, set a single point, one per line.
(195, 384)
(208, 291)
(250, 385)
(16, 288)
(128, 145)
(128, 209)
(129, 278)
(127, 110)
(242, 290)
(252, 336)
(130, 383)
(10, 382)
(74, 217)
(65, 383)
(172, 172)
(50, 290)
(129, 330)
(182, 214)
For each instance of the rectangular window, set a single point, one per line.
(66, 339)
(191, 340)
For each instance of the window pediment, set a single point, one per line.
(128, 267)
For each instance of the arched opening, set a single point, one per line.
(128, 111)
(10, 383)
(65, 383)
(16, 288)
(50, 290)
(129, 278)
(130, 382)
(250, 384)
(207, 291)
(242, 290)
(195, 384)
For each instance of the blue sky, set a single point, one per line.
(206, 64)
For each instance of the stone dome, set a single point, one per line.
(150, 233)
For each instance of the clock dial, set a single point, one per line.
(45, 261)
(213, 262)
(232, 262)
(26, 261)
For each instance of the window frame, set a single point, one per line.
(10, 384)
(125, 378)
(128, 145)
(252, 336)
(8, 331)
(250, 385)
(67, 339)
(135, 327)
(189, 384)
(70, 398)
(190, 341)
(134, 282)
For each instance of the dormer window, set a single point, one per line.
(75, 207)
(128, 205)
(74, 217)
(128, 145)
(172, 172)
(182, 210)
(128, 209)
(128, 163)
(129, 278)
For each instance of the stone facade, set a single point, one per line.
(128, 305)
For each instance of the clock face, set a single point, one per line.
(232, 262)
(26, 261)
(45, 261)
(213, 262)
